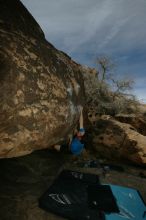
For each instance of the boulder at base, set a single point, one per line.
(137, 121)
(116, 140)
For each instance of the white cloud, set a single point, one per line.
(87, 28)
(76, 22)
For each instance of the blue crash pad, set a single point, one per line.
(130, 204)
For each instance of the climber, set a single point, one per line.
(75, 144)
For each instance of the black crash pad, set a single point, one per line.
(101, 198)
(68, 196)
(85, 178)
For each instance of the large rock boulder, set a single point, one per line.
(40, 86)
(116, 140)
(137, 121)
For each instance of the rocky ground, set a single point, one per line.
(23, 180)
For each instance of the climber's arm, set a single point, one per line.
(81, 121)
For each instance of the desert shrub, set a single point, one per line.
(106, 94)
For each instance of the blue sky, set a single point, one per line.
(86, 29)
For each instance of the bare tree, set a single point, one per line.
(105, 67)
(113, 94)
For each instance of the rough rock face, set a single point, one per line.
(40, 87)
(118, 140)
(137, 121)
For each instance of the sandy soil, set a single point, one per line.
(23, 180)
